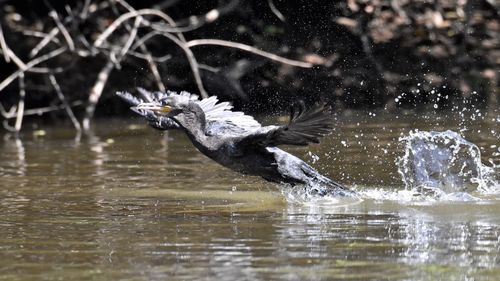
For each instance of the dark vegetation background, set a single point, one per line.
(365, 54)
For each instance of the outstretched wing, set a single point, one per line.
(152, 97)
(305, 126)
(221, 120)
(129, 98)
(219, 115)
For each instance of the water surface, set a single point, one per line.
(130, 203)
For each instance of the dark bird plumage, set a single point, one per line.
(238, 141)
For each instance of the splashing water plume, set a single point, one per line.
(307, 195)
(435, 167)
(443, 164)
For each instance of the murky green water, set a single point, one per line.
(131, 204)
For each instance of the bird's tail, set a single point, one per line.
(331, 187)
(322, 186)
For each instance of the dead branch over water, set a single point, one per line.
(373, 53)
(123, 41)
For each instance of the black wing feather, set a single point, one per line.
(305, 126)
(129, 98)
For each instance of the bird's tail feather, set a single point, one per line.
(334, 188)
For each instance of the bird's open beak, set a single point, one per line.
(154, 107)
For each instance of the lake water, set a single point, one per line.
(130, 203)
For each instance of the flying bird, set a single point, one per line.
(237, 141)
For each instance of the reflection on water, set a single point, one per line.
(129, 203)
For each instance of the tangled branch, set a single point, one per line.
(125, 40)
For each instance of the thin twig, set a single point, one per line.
(64, 31)
(20, 107)
(147, 56)
(42, 110)
(53, 33)
(39, 34)
(3, 45)
(7, 126)
(30, 65)
(90, 51)
(154, 71)
(131, 37)
(8, 114)
(247, 48)
(198, 21)
(8, 53)
(143, 39)
(146, 53)
(85, 9)
(193, 63)
(64, 102)
(275, 11)
(98, 42)
(95, 93)
(165, 17)
(35, 111)
(70, 12)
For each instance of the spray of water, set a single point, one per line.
(443, 163)
(307, 195)
(435, 167)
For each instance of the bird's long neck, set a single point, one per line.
(195, 129)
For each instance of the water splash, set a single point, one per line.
(312, 194)
(444, 165)
(435, 167)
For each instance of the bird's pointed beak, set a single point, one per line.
(162, 109)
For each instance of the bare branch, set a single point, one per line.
(143, 39)
(247, 48)
(135, 13)
(275, 11)
(30, 65)
(85, 10)
(147, 56)
(8, 53)
(20, 107)
(53, 33)
(42, 110)
(155, 71)
(132, 36)
(39, 34)
(4, 46)
(64, 31)
(161, 27)
(7, 126)
(8, 114)
(64, 102)
(146, 53)
(193, 63)
(95, 93)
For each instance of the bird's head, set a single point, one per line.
(167, 106)
(178, 107)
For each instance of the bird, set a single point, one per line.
(239, 142)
